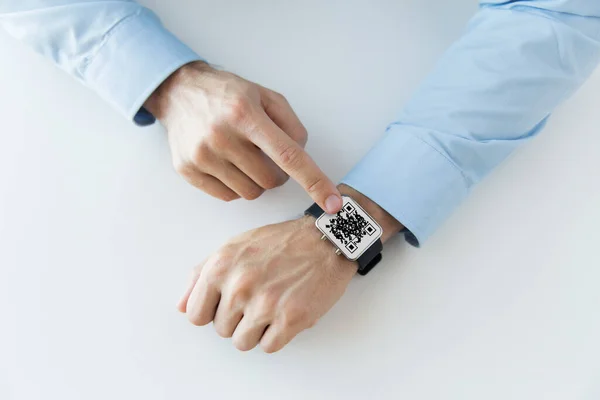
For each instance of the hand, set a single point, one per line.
(269, 284)
(233, 138)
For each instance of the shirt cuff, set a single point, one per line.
(136, 57)
(411, 180)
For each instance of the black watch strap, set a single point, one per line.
(369, 259)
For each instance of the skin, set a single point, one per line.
(269, 284)
(233, 138)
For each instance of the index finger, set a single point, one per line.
(292, 159)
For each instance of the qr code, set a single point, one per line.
(349, 227)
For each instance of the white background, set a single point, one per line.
(98, 234)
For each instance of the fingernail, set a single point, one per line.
(333, 204)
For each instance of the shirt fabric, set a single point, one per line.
(492, 91)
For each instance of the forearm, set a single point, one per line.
(490, 93)
(117, 48)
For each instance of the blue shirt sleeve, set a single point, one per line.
(116, 47)
(491, 92)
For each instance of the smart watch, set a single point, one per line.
(353, 232)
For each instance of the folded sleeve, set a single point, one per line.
(119, 49)
(491, 92)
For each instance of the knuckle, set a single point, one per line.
(182, 167)
(269, 346)
(222, 331)
(240, 296)
(250, 251)
(316, 186)
(294, 315)
(214, 277)
(218, 267)
(271, 181)
(290, 156)
(223, 255)
(282, 179)
(229, 198)
(267, 303)
(202, 154)
(197, 180)
(279, 97)
(302, 135)
(253, 193)
(194, 320)
(238, 110)
(197, 320)
(199, 183)
(242, 344)
(217, 138)
(242, 290)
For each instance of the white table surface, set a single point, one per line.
(98, 234)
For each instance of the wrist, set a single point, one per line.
(389, 227)
(162, 99)
(339, 265)
(389, 224)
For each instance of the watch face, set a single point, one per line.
(351, 230)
